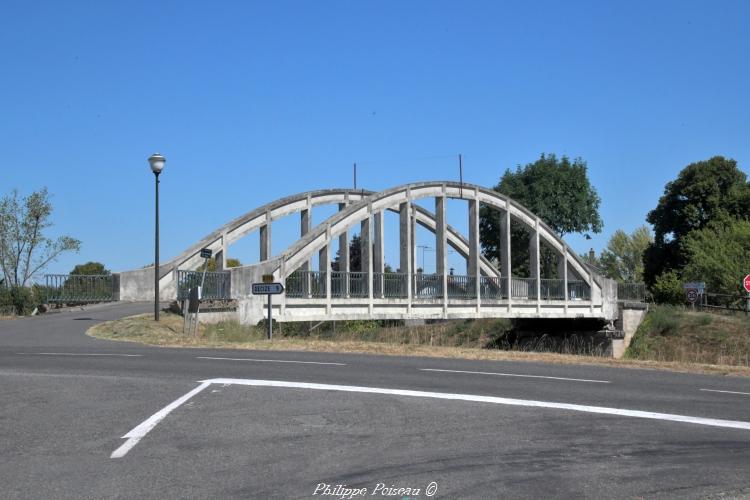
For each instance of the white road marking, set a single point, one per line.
(78, 354)
(272, 361)
(144, 427)
(726, 392)
(135, 435)
(516, 375)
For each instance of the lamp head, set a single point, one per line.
(157, 162)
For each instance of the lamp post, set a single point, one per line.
(157, 162)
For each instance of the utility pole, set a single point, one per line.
(355, 176)
(461, 174)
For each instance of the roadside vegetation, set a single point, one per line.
(481, 340)
(676, 334)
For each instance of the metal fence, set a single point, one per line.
(523, 288)
(631, 292)
(552, 289)
(217, 285)
(493, 288)
(79, 288)
(310, 284)
(462, 287)
(428, 286)
(579, 290)
(724, 303)
(389, 285)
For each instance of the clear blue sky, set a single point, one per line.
(251, 101)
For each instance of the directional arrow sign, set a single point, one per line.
(267, 288)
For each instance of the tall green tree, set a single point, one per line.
(558, 191)
(622, 260)
(24, 248)
(90, 268)
(718, 255)
(713, 190)
(355, 255)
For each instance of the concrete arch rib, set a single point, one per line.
(390, 199)
(253, 220)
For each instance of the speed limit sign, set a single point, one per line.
(692, 295)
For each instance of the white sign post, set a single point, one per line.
(269, 289)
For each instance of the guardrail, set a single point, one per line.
(217, 285)
(309, 284)
(631, 292)
(79, 288)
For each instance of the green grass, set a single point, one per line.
(670, 333)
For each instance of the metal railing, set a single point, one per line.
(358, 286)
(428, 286)
(523, 288)
(579, 290)
(462, 287)
(552, 289)
(308, 284)
(492, 288)
(389, 285)
(79, 288)
(631, 292)
(217, 285)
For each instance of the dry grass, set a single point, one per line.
(168, 332)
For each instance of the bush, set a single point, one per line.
(668, 289)
(18, 299)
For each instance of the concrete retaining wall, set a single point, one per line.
(631, 315)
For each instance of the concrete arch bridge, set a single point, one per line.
(485, 291)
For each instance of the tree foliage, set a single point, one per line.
(355, 255)
(719, 255)
(90, 268)
(24, 249)
(708, 191)
(622, 260)
(667, 288)
(558, 191)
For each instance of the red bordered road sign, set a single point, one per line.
(746, 283)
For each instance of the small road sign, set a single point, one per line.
(206, 253)
(746, 283)
(268, 278)
(692, 296)
(267, 288)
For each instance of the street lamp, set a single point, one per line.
(157, 162)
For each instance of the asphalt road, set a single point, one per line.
(473, 429)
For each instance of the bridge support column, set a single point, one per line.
(534, 263)
(265, 239)
(505, 262)
(365, 241)
(405, 244)
(221, 256)
(473, 264)
(344, 256)
(441, 248)
(413, 230)
(324, 266)
(305, 227)
(562, 273)
(377, 254)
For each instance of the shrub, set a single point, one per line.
(668, 289)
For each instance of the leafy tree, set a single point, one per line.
(667, 288)
(212, 264)
(24, 250)
(708, 191)
(622, 260)
(558, 191)
(90, 268)
(718, 255)
(355, 255)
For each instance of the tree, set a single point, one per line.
(708, 191)
(558, 191)
(718, 255)
(622, 260)
(90, 268)
(24, 250)
(212, 264)
(355, 255)
(667, 288)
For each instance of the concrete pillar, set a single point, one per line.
(377, 254)
(563, 263)
(441, 248)
(305, 227)
(534, 258)
(505, 258)
(474, 247)
(365, 239)
(473, 263)
(221, 256)
(265, 239)
(404, 211)
(343, 247)
(413, 230)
